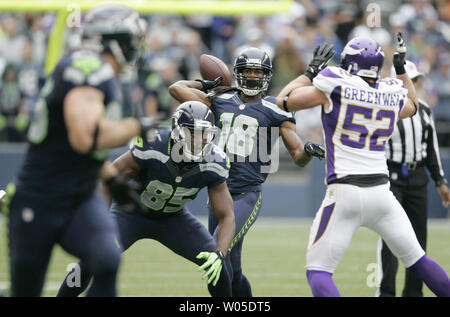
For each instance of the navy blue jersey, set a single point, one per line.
(166, 186)
(53, 172)
(247, 136)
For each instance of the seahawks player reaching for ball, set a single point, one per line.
(173, 169)
(250, 124)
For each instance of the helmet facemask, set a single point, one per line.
(195, 140)
(128, 50)
(252, 85)
(117, 30)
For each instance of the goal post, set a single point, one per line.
(63, 8)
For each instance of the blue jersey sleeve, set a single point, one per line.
(216, 167)
(137, 151)
(143, 151)
(277, 115)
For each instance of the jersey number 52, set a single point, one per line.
(361, 129)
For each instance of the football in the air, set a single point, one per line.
(211, 67)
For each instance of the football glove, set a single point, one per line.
(210, 84)
(125, 193)
(149, 127)
(322, 54)
(214, 261)
(399, 57)
(315, 149)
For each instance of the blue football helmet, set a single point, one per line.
(257, 59)
(193, 129)
(115, 29)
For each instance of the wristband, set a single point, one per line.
(400, 70)
(310, 75)
(220, 254)
(285, 100)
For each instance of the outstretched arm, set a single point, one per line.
(193, 90)
(294, 144)
(188, 90)
(300, 81)
(303, 97)
(412, 103)
(89, 131)
(299, 94)
(399, 60)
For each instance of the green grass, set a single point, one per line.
(273, 260)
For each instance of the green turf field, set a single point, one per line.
(273, 260)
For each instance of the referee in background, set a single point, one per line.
(413, 147)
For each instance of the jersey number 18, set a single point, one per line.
(237, 136)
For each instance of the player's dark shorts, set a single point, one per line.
(85, 231)
(181, 232)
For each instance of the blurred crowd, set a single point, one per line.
(176, 42)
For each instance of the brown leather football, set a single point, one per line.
(211, 67)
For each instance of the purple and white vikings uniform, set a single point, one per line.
(360, 120)
(356, 127)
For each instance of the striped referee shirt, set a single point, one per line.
(415, 140)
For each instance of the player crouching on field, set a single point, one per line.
(172, 169)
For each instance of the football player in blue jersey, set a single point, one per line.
(172, 169)
(250, 123)
(54, 198)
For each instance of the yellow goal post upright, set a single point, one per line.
(63, 8)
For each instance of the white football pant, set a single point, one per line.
(347, 207)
